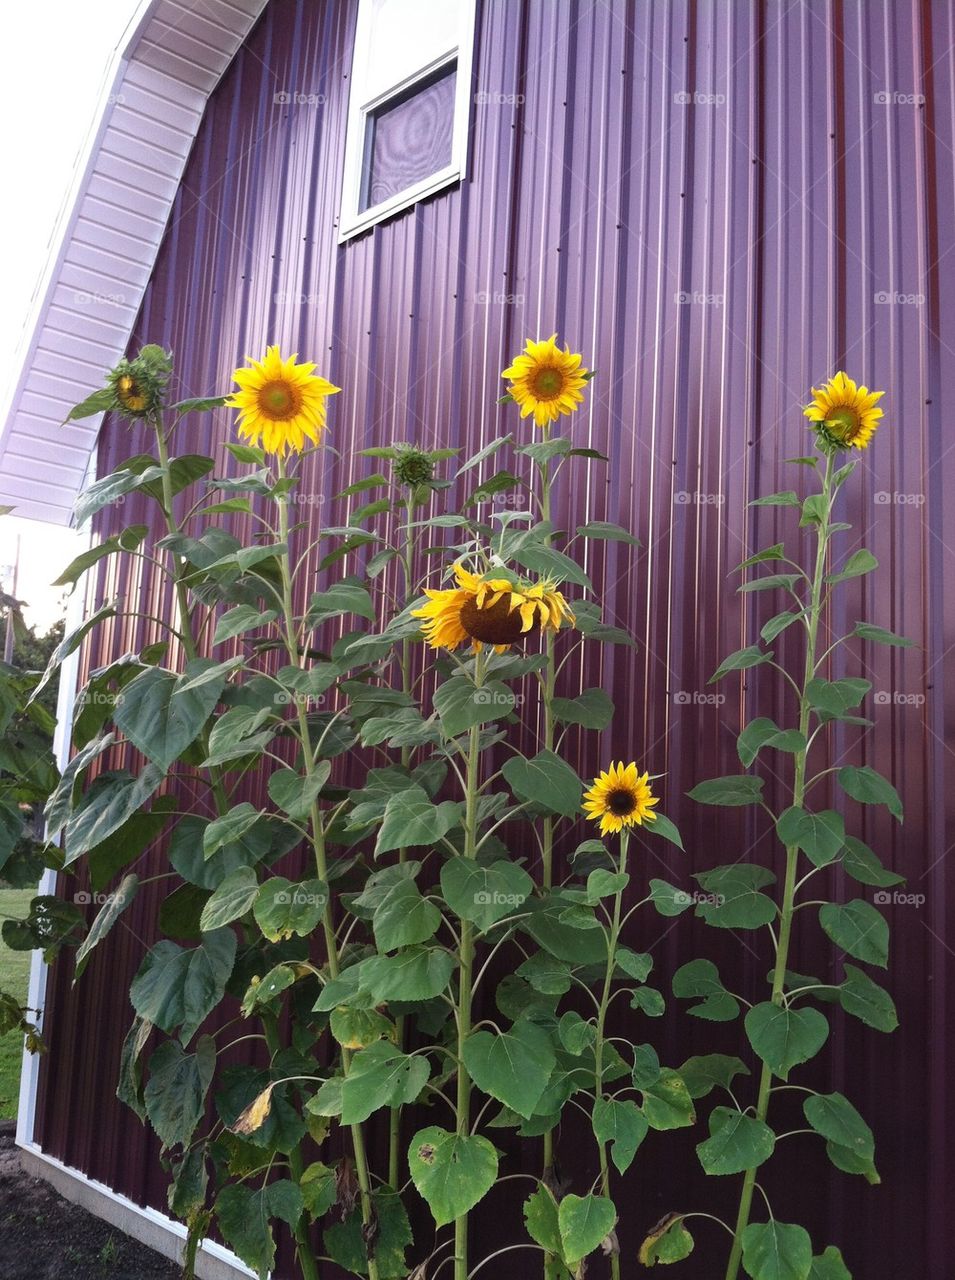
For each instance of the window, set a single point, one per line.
(409, 106)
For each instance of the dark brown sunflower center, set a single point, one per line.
(498, 624)
(844, 424)
(548, 383)
(621, 802)
(279, 400)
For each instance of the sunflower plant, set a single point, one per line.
(384, 915)
(797, 776)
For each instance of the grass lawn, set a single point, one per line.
(14, 970)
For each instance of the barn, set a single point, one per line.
(720, 203)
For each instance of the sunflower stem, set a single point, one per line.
(787, 908)
(600, 1040)
(296, 658)
(466, 954)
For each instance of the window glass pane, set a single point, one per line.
(408, 138)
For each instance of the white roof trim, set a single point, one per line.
(103, 251)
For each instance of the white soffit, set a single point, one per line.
(105, 245)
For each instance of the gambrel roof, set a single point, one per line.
(106, 243)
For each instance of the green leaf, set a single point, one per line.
(243, 1215)
(403, 917)
(451, 1172)
(668, 899)
(867, 1001)
(835, 698)
(229, 828)
(668, 1241)
(584, 1222)
(201, 404)
(736, 790)
(410, 819)
(244, 617)
(821, 836)
(114, 906)
(381, 1076)
(128, 540)
(343, 598)
(175, 1095)
(829, 1266)
(575, 1034)
(772, 582)
(295, 793)
(461, 706)
(732, 896)
(858, 928)
(776, 552)
(763, 732)
(634, 964)
(869, 787)
(548, 563)
(500, 482)
(777, 624)
(98, 402)
(160, 717)
(545, 780)
(845, 1158)
(482, 454)
(231, 899)
(106, 807)
(667, 1103)
(417, 973)
(484, 894)
(703, 1074)
(879, 635)
(860, 562)
(777, 1251)
(741, 660)
(607, 532)
(863, 865)
(513, 1066)
(346, 1241)
(787, 498)
(592, 709)
(283, 908)
(623, 1125)
(701, 978)
(176, 988)
(662, 826)
(737, 1142)
(834, 1116)
(540, 1218)
(783, 1038)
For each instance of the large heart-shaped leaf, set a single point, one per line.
(785, 1037)
(584, 1222)
(161, 717)
(512, 1066)
(545, 780)
(737, 1142)
(484, 894)
(175, 1096)
(858, 928)
(777, 1251)
(451, 1171)
(381, 1076)
(621, 1123)
(177, 988)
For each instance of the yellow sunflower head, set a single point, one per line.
(496, 611)
(620, 797)
(281, 404)
(546, 381)
(843, 415)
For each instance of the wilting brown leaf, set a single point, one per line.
(346, 1187)
(610, 1245)
(256, 1113)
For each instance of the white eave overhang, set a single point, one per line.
(105, 246)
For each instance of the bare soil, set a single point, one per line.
(44, 1237)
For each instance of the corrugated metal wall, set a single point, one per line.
(720, 203)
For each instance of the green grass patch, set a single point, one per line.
(14, 974)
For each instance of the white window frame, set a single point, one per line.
(352, 221)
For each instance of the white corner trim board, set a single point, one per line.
(149, 1226)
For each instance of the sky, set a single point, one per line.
(48, 105)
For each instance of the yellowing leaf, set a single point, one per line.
(256, 1113)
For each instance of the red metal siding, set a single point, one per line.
(714, 201)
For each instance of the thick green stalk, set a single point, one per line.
(321, 860)
(407, 562)
(466, 972)
(792, 853)
(613, 938)
(307, 1258)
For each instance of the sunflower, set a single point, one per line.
(493, 611)
(281, 404)
(546, 381)
(620, 797)
(843, 415)
(138, 386)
